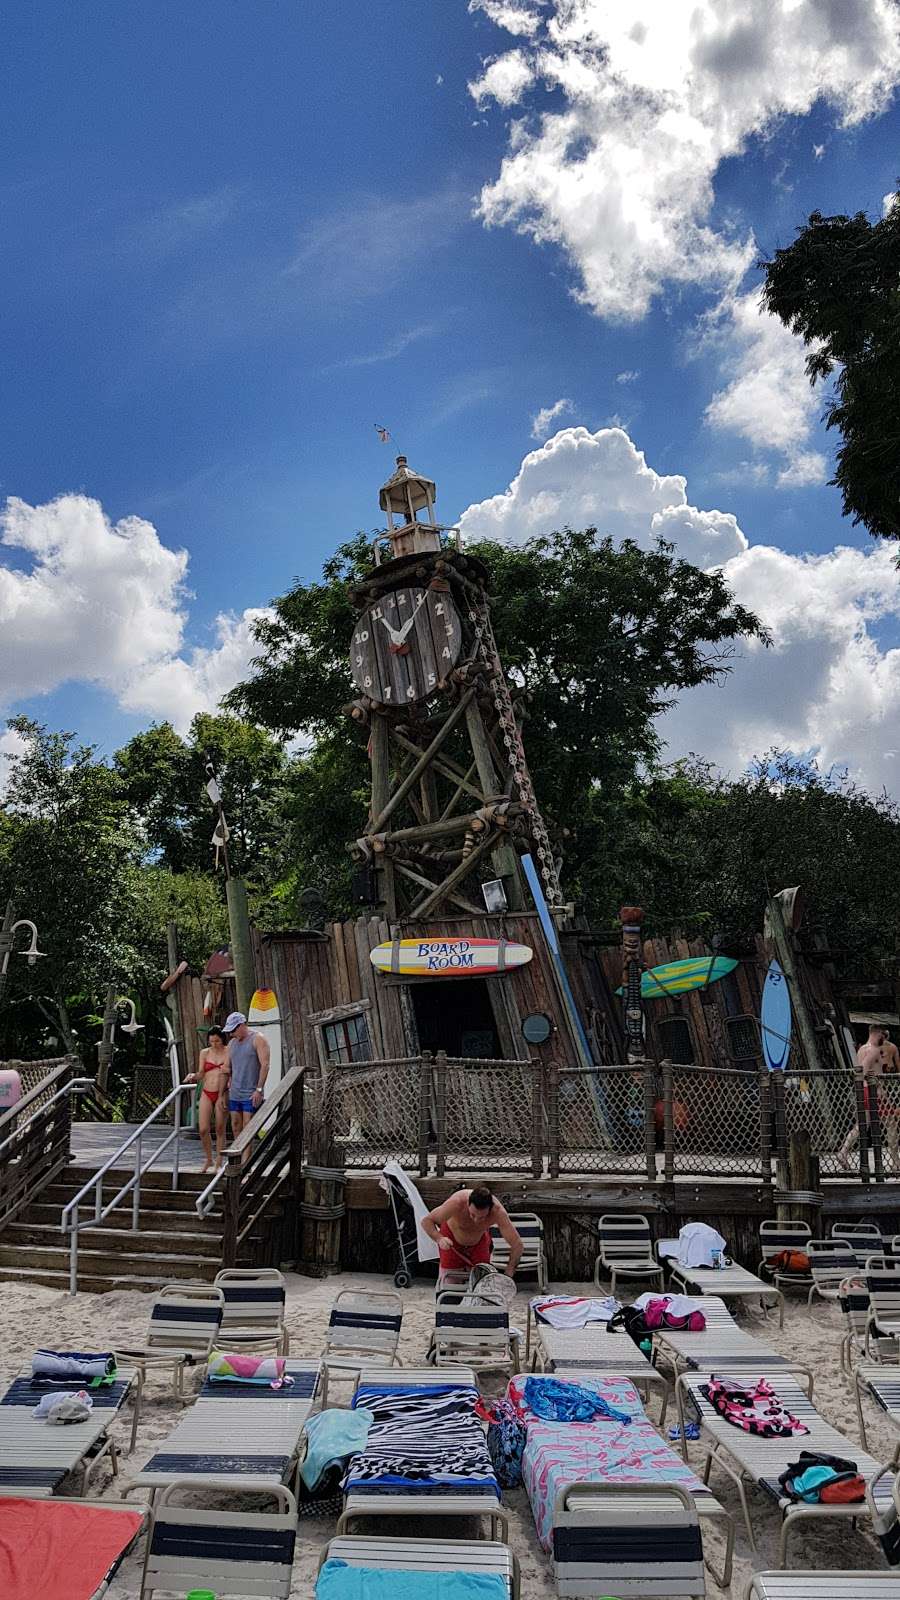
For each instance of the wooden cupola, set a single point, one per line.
(403, 499)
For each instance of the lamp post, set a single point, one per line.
(8, 932)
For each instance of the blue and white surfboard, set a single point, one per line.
(775, 1019)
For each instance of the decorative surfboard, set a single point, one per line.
(265, 1015)
(449, 958)
(679, 977)
(775, 1018)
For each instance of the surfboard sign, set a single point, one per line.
(449, 957)
(265, 1015)
(775, 1019)
(680, 977)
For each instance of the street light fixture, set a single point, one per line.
(8, 931)
(132, 1026)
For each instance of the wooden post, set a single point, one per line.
(862, 1125)
(649, 1087)
(241, 942)
(296, 1147)
(491, 785)
(537, 1119)
(765, 1124)
(413, 776)
(424, 1110)
(105, 1047)
(777, 1087)
(875, 1132)
(9, 918)
(173, 1001)
(799, 1180)
(668, 1122)
(231, 1205)
(380, 758)
(553, 1116)
(631, 918)
(440, 1098)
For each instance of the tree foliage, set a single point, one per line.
(838, 287)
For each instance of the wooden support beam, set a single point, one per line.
(424, 907)
(380, 756)
(428, 883)
(412, 777)
(446, 767)
(438, 830)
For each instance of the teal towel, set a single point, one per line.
(337, 1581)
(331, 1438)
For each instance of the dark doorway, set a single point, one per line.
(456, 1015)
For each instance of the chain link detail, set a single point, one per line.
(485, 648)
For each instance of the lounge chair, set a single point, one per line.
(568, 1470)
(241, 1552)
(426, 1454)
(473, 1332)
(731, 1282)
(882, 1280)
(880, 1383)
(363, 1331)
(775, 1237)
(65, 1548)
(831, 1262)
(184, 1324)
(531, 1230)
(823, 1586)
(626, 1249)
(253, 1315)
(865, 1239)
(592, 1350)
(747, 1458)
(237, 1436)
(722, 1347)
(36, 1457)
(427, 1555)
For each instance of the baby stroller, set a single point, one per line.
(405, 1227)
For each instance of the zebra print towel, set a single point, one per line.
(422, 1441)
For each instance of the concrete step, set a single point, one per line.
(112, 1241)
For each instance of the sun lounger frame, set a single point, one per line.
(427, 1555)
(28, 1445)
(576, 1506)
(173, 1574)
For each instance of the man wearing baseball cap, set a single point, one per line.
(246, 1071)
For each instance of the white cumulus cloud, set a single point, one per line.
(654, 97)
(543, 420)
(580, 479)
(830, 683)
(92, 601)
(767, 398)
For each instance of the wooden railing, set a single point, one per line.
(34, 1134)
(261, 1173)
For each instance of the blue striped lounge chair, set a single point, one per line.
(253, 1313)
(880, 1383)
(822, 1585)
(184, 1324)
(882, 1280)
(533, 1259)
(363, 1331)
(478, 1556)
(642, 1540)
(239, 1552)
(626, 1249)
(36, 1459)
(865, 1239)
(473, 1332)
(831, 1262)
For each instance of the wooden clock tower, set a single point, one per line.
(452, 803)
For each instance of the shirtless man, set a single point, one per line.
(878, 1057)
(461, 1229)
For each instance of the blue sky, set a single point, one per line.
(238, 235)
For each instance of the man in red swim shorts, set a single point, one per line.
(461, 1229)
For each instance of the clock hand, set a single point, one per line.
(396, 638)
(409, 621)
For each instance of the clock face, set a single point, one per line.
(403, 648)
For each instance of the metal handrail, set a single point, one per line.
(74, 1086)
(205, 1200)
(133, 1186)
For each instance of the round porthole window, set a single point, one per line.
(537, 1028)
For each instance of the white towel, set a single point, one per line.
(427, 1249)
(573, 1311)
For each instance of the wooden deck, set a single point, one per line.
(94, 1142)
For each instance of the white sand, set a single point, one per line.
(32, 1316)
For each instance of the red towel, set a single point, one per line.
(54, 1550)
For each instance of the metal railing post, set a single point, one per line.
(765, 1124)
(552, 1087)
(73, 1255)
(177, 1145)
(875, 1130)
(862, 1128)
(668, 1121)
(649, 1086)
(537, 1119)
(136, 1191)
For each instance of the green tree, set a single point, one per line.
(596, 638)
(71, 861)
(838, 287)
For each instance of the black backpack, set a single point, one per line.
(630, 1320)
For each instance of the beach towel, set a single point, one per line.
(757, 1410)
(60, 1550)
(338, 1581)
(72, 1366)
(228, 1366)
(422, 1440)
(332, 1437)
(554, 1400)
(573, 1311)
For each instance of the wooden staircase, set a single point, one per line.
(172, 1241)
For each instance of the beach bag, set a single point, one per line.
(630, 1320)
(790, 1261)
(657, 1315)
(817, 1479)
(506, 1436)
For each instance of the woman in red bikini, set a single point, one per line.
(210, 1072)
